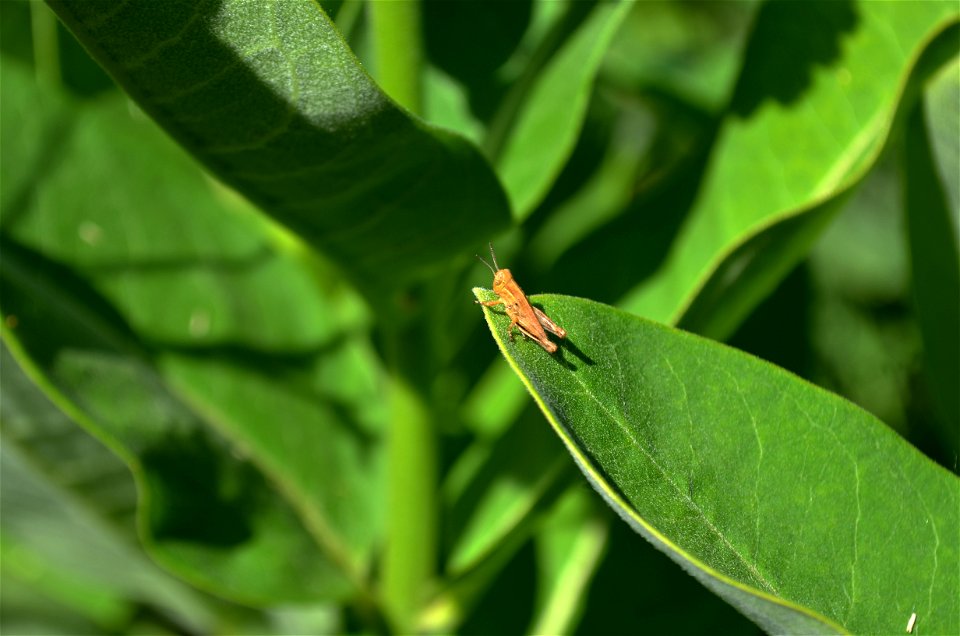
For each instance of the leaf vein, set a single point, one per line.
(683, 495)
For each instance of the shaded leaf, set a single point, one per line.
(58, 534)
(548, 121)
(801, 510)
(209, 516)
(691, 50)
(792, 143)
(570, 546)
(520, 473)
(750, 271)
(270, 98)
(181, 264)
(218, 366)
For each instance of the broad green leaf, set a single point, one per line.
(208, 513)
(55, 543)
(493, 496)
(754, 267)
(230, 375)
(800, 509)
(151, 236)
(520, 473)
(68, 507)
(548, 121)
(808, 119)
(570, 546)
(269, 97)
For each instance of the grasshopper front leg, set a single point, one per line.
(514, 318)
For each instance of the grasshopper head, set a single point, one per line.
(501, 279)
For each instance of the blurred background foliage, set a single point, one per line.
(82, 163)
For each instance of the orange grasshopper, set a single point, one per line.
(532, 322)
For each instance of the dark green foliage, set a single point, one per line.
(246, 389)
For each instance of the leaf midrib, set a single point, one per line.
(768, 586)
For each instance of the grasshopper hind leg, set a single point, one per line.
(513, 323)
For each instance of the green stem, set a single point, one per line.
(410, 553)
(397, 49)
(46, 49)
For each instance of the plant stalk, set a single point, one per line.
(410, 553)
(398, 50)
(46, 47)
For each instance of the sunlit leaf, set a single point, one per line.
(800, 509)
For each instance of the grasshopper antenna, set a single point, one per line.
(493, 256)
(487, 264)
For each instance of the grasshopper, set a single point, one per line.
(532, 322)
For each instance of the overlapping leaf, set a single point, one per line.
(544, 133)
(220, 368)
(810, 114)
(804, 128)
(67, 502)
(269, 97)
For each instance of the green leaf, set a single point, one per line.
(208, 513)
(55, 541)
(269, 97)
(213, 292)
(494, 496)
(800, 509)
(752, 269)
(230, 375)
(548, 122)
(569, 548)
(808, 119)
(68, 524)
(807, 128)
(519, 474)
